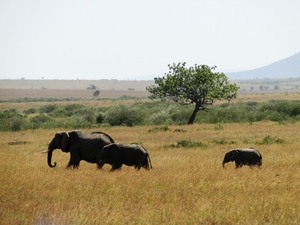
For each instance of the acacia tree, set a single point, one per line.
(197, 85)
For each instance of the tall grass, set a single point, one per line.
(186, 186)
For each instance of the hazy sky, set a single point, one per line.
(122, 39)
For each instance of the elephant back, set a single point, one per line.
(105, 136)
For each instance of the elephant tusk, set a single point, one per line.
(45, 151)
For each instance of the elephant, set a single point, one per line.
(128, 154)
(243, 156)
(81, 145)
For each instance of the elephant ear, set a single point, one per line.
(234, 153)
(116, 154)
(65, 141)
(104, 152)
(115, 150)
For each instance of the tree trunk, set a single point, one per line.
(193, 116)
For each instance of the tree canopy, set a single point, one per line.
(197, 85)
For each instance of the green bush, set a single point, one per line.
(122, 115)
(179, 114)
(187, 144)
(30, 111)
(39, 121)
(11, 120)
(74, 110)
(88, 114)
(147, 113)
(270, 140)
(100, 118)
(156, 129)
(48, 108)
(76, 122)
(161, 117)
(223, 142)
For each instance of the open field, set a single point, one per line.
(75, 84)
(7, 94)
(186, 185)
(73, 89)
(77, 89)
(247, 85)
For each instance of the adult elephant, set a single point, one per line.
(243, 156)
(129, 154)
(81, 145)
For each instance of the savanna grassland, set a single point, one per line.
(186, 185)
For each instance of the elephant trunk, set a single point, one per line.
(223, 164)
(49, 158)
(100, 164)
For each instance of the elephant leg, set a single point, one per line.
(238, 164)
(100, 165)
(74, 160)
(137, 167)
(116, 167)
(116, 164)
(147, 167)
(72, 164)
(76, 165)
(146, 164)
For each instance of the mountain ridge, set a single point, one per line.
(286, 68)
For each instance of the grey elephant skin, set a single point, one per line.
(243, 156)
(81, 145)
(129, 154)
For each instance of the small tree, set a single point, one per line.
(96, 93)
(198, 84)
(91, 87)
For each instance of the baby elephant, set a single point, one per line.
(243, 156)
(128, 154)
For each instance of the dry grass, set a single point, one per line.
(21, 106)
(262, 96)
(8, 94)
(186, 186)
(103, 84)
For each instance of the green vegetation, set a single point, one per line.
(157, 129)
(71, 99)
(269, 140)
(187, 144)
(27, 99)
(197, 85)
(78, 116)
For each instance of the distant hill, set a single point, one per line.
(285, 68)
